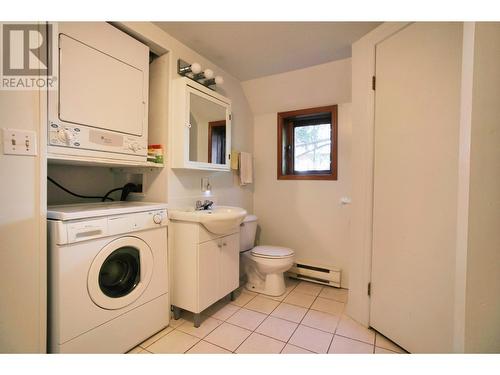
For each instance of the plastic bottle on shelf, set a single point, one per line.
(155, 154)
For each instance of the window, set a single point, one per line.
(307, 144)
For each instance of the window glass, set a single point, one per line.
(312, 148)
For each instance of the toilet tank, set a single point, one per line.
(248, 229)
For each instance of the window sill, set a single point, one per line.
(331, 177)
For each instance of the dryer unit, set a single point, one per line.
(108, 283)
(98, 110)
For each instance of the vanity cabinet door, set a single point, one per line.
(209, 270)
(230, 263)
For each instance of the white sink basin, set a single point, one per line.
(219, 220)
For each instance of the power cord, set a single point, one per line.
(79, 195)
(109, 192)
(126, 190)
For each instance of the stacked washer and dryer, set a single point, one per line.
(108, 278)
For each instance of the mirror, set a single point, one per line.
(207, 133)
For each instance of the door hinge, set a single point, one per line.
(369, 289)
(373, 83)
(230, 117)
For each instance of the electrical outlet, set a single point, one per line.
(19, 142)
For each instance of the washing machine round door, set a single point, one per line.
(120, 273)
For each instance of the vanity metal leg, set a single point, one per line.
(197, 320)
(177, 312)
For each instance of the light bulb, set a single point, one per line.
(195, 68)
(209, 73)
(219, 80)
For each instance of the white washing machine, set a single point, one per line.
(108, 281)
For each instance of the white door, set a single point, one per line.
(417, 101)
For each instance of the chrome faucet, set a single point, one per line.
(207, 205)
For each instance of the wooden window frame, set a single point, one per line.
(286, 124)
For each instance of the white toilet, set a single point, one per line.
(263, 265)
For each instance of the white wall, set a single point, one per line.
(22, 230)
(482, 319)
(184, 185)
(83, 180)
(303, 215)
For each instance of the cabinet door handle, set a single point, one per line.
(219, 244)
(224, 244)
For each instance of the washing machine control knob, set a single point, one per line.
(157, 218)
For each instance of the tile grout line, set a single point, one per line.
(361, 341)
(211, 343)
(238, 308)
(223, 321)
(162, 336)
(251, 299)
(335, 332)
(192, 346)
(380, 347)
(201, 339)
(177, 329)
(298, 325)
(268, 315)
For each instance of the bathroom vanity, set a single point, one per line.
(204, 264)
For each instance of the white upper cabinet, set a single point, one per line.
(201, 128)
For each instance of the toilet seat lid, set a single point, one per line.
(272, 251)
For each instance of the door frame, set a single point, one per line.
(363, 116)
(211, 125)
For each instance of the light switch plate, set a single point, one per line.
(19, 142)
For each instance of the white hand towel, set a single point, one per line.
(245, 168)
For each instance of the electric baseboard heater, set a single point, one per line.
(316, 273)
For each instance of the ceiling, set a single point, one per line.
(249, 50)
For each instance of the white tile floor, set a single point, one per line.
(309, 318)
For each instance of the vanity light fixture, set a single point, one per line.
(183, 68)
(194, 72)
(208, 73)
(218, 80)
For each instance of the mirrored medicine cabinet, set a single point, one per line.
(201, 129)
